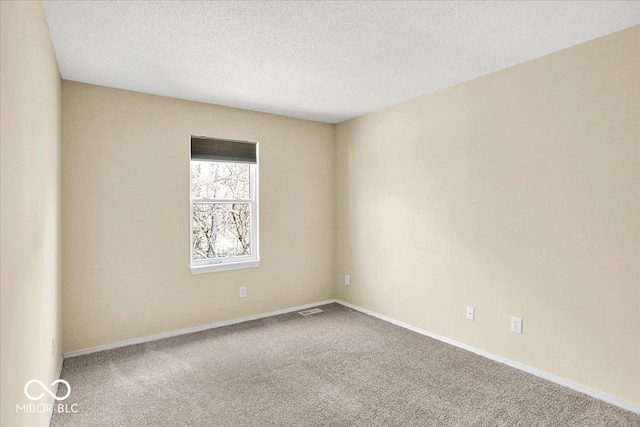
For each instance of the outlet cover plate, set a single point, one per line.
(516, 325)
(471, 313)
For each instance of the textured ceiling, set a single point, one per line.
(325, 61)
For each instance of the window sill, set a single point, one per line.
(212, 268)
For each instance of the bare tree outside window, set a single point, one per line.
(221, 207)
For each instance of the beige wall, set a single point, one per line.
(516, 193)
(125, 186)
(30, 206)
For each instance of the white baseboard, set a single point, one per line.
(52, 400)
(550, 377)
(170, 334)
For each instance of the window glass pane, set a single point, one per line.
(221, 230)
(218, 180)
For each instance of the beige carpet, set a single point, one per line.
(337, 368)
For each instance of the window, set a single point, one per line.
(224, 209)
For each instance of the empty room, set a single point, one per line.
(320, 213)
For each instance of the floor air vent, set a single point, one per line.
(310, 312)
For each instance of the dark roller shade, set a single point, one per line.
(223, 150)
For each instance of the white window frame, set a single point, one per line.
(229, 263)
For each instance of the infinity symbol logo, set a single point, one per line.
(51, 393)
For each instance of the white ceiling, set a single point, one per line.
(325, 61)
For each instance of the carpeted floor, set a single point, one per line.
(336, 368)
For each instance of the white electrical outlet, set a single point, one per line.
(53, 346)
(516, 325)
(347, 279)
(471, 312)
(243, 291)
